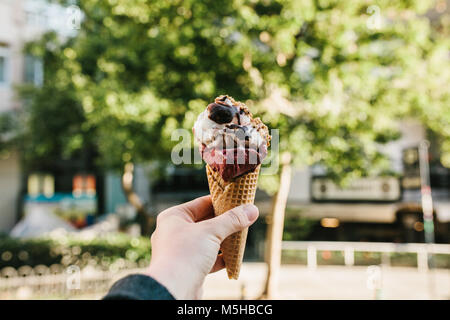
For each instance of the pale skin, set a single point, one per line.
(186, 243)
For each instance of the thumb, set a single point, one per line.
(233, 220)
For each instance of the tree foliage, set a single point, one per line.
(332, 79)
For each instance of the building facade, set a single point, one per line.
(20, 21)
(12, 22)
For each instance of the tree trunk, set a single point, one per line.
(275, 226)
(133, 198)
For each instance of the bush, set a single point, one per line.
(296, 227)
(100, 252)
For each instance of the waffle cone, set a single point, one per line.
(225, 196)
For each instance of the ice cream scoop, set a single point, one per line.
(233, 144)
(231, 141)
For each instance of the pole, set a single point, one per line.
(427, 205)
(275, 231)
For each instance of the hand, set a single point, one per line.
(186, 242)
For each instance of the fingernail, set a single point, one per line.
(251, 211)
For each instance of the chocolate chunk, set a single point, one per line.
(237, 126)
(221, 114)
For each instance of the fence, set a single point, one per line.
(62, 282)
(59, 283)
(349, 248)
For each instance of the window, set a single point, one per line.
(36, 13)
(4, 79)
(33, 70)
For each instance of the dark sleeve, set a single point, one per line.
(138, 287)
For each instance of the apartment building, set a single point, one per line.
(12, 61)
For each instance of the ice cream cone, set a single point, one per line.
(225, 196)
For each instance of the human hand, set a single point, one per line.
(186, 242)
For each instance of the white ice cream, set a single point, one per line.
(213, 135)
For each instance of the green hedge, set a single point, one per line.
(100, 252)
(298, 228)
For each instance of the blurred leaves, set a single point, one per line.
(100, 251)
(315, 70)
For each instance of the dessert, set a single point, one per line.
(233, 144)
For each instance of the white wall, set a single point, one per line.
(20, 21)
(11, 22)
(11, 25)
(9, 186)
(300, 191)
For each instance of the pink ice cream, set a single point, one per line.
(231, 141)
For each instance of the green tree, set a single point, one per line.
(332, 76)
(52, 126)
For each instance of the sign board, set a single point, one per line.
(382, 189)
(83, 184)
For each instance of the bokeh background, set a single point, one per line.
(358, 91)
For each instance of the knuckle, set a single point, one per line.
(237, 218)
(152, 237)
(160, 216)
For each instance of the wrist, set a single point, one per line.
(175, 282)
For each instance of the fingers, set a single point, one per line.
(197, 209)
(233, 220)
(218, 265)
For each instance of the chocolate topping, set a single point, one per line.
(220, 113)
(236, 126)
(237, 153)
(223, 99)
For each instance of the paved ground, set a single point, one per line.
(324, 283)
(330, 282)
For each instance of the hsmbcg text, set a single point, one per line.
(226, 309)
(243, 309)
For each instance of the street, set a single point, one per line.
(329, 282)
